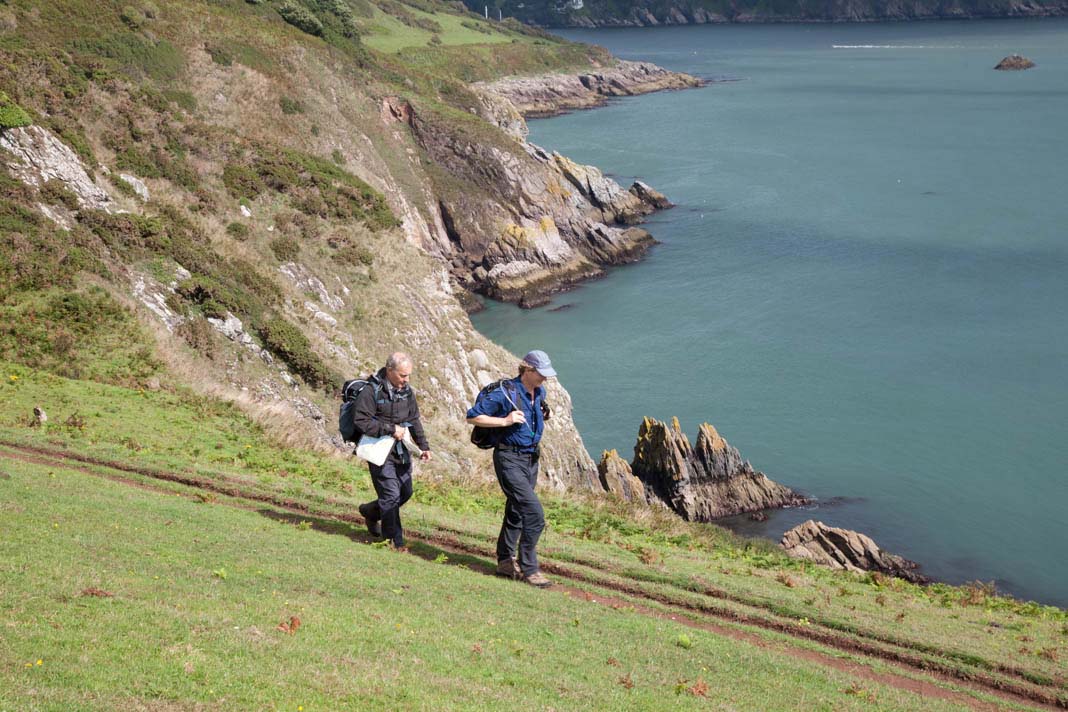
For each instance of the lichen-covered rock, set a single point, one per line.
(1014, 62)
(36, 157)
(617, 478)
(137, 184)
(704, 482)
(846, 549)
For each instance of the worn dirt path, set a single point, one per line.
(715, 619)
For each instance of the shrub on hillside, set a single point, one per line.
(354, 255)
(301, 18)
(285, 248)
(55, 192)
(11, 114)
(242, 181)
(287, 342)
(220, 55)
(238, 231)
(291, 106)
(199, 334)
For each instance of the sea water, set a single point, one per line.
(863, 287)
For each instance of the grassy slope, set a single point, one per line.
(205, 629)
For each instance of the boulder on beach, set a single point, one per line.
(846, 549)
(1015, 62)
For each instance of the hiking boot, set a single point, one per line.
(538, 579)
(374, 526)
(508, 568)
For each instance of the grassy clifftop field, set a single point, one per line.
(257, 220)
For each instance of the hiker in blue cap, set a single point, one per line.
(518, 408)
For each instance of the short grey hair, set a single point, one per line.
(397, 359)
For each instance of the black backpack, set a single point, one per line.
(345, 423)
(487, 438)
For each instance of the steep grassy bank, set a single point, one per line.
(288, 230)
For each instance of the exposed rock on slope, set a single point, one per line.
(704, 482)
(846, 549)
(36, 157)
(551, 94)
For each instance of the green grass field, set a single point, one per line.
(199, 581)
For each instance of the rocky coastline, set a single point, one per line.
(553, 94)
(640, 14)
(519, 223)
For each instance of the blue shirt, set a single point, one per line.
(524, 436)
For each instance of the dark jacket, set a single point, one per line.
(380, 406)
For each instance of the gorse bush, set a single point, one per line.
(318, 186)
(301, 18)
(287, 342)
(285, 248)
(291, 106)
(11, 114)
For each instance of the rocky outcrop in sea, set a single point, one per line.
(1014, 62)
(846, 549)
(702, 482)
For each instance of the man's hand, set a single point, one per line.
(398, 432)
(516, 416)
(425, 457)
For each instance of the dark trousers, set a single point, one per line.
(393, 485)
(524, 519)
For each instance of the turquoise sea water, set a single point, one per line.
(864, 284)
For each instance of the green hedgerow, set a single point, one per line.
(11, 114)
(301, 18)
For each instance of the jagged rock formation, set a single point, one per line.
(704, 482)
(552, 94)
(616, 478)
(846, 549)
(1014, 62)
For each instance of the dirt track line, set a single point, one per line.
(978, 682)
(812, 631)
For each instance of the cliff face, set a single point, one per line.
(704, 482)
(518, 222)
(643, 13)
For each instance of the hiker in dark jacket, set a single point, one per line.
(387, 406)
(516, 408)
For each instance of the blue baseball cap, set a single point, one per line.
(539, 361)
